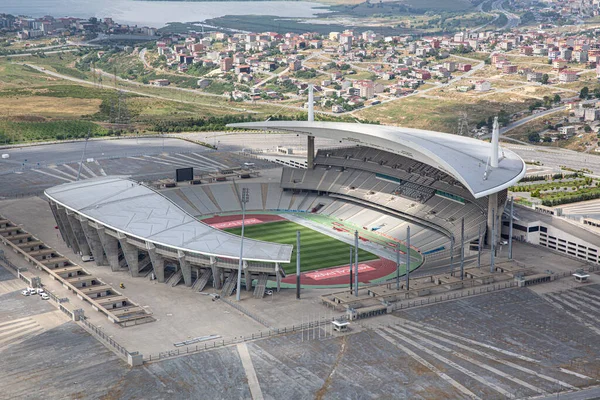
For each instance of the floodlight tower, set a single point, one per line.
(310, 146)
(244, 200)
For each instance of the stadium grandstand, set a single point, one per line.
(390, 179)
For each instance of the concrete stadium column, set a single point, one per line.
(94, 242)
(111, 249)
(84, 247)
(310, 157)
(61, 228)
(492, 205)
(248, 279)
(158, 262)
(186, 268)
(70, 236)
(278, 276)
(217, 281)
(131, 254)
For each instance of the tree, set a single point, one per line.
(557, 98)
(587, 129)
(597, 93)
(503, 118)
(533, 137)
(585, 91)
(545, 78)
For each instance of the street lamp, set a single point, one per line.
(244, 200)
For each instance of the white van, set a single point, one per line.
(87, 258)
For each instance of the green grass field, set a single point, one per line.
(316, 249)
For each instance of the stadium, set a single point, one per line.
(391, 179)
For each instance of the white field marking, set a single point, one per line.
(184, 162)
(52, 175)
(585, 297)
(577, 300)
(89, 171)
(566, 371)
(200, 164)
(159, 160)
(487, 346)
(208, 159)
(476, 362)
(505, 362)
(253, 383)
(451, 363)
(14, 321)
(74, 171)
(101, 169)
(11, 326)
(427, 364)
(554, 301)
(63, 172)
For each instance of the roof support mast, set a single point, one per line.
(495, 138)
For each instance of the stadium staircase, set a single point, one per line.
(175, 278)
(202, 280)
(261, 285)
(229, 285)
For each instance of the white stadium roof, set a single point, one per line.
(464, 158)
(140, 212)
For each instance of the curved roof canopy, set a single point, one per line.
(140, 212)
(464, 158)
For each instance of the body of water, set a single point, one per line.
(157, 13)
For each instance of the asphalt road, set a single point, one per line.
(97, 149)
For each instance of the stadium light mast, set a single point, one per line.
(83, 154)
(351, 253)
(493, 244)
(298, 265)
(462, 249)
(244, 200)
(510, 230)
(397, 266)
(356, 263)
(407, 258)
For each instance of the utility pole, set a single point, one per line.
(462, 249)
(479, 248)
(298, 265)
(356, 263)
(83, 154)
(398, 266)
(510, 230)
(351, 280)
(244, 200)
(407, 258)
(452, 255)
(493, 244)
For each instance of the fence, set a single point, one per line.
(453, 296)
(248, 313)
(99, 333)
(240, 339)
(5, 262)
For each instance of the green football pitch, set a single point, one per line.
(317, 250)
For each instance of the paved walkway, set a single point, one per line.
(250, 372)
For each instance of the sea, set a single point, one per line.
(158, 13)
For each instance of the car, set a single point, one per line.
(504, 242)
(87, 258)
(45, 296)
(39, 291)
(26, 293)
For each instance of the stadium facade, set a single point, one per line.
(388, 178)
